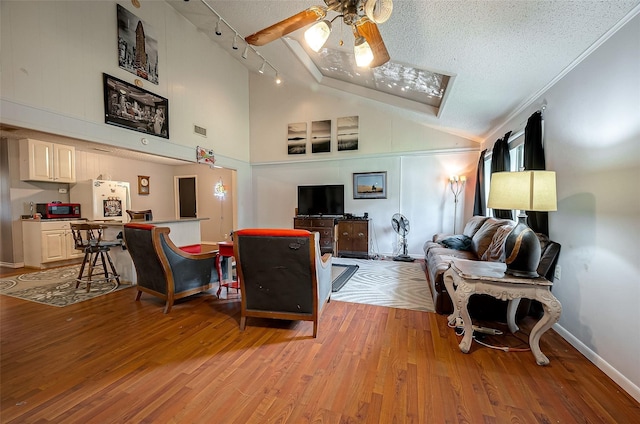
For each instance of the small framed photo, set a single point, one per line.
(370, 185)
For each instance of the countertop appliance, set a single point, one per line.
(58, 210)
(102, 199)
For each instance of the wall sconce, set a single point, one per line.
(456, 183)
(219, 190)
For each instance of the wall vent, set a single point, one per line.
(200, 130)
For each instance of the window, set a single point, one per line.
(516, 152)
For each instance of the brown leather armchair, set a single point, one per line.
(282, 274)
(165, 270)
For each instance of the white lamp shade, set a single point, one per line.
(526, 191)
(317, 35)
(362, 52)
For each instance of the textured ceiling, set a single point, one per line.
(500, 53)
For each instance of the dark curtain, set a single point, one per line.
(501, 161)
(479, 207)
(534, 160)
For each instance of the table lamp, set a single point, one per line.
(525, 191)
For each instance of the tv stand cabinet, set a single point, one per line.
(325, 226)
(353, 238)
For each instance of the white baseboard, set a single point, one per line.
(603, 365)
(12, 264)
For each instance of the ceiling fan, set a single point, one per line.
(361, 15)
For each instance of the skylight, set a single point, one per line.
(401, 80)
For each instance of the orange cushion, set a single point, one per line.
(140, 226)
(193, 248)
(272, 232)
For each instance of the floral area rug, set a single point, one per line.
(55, 287)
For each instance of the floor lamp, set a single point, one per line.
(456, 183)
(524, 191)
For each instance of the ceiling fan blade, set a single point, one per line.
(286, 26)
(370, 32)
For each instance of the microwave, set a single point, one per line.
(58, 210)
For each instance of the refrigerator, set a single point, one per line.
(102, 200)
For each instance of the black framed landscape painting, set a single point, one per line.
(347, 129)
(297, 138)
(321, 136)
(134, 108)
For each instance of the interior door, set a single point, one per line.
(187, 197)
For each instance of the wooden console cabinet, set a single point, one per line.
(353, 238)
(324, 226)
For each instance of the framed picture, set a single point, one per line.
(347, 133)
(137, 46)
(370, 185)
(297, 138)
(131, 107)
(321, 136)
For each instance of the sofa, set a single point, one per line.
(482, 239)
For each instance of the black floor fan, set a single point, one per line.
(400, 225)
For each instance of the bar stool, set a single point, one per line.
(88, 238)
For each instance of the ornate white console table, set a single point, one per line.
(465, 278)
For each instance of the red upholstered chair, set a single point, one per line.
(282, 274)
(165, 270)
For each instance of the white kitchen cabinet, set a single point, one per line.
(44, 161)
(46, 242)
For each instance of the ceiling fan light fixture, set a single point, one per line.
(317, 35)
(362, 52)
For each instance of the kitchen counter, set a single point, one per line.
(183, 232)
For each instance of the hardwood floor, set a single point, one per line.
(114, 360)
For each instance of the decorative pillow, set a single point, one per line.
(474, 225)
(495, 251)
(482, 238)
(457, 242)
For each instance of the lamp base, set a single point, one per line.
(522, 250)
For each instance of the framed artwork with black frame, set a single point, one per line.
(370, 185)
(134, 108)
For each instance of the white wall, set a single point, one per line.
(592, 141)
(53, 58)
(54, 54)
(418, 160)
(416, 187)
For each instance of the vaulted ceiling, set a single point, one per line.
(500, 55)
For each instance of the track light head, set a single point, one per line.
(218, 32)
(235, 42)
(261, 70)
(278, 80)
(245, 53)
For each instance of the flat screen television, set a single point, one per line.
(321, 200)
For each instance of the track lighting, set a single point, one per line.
(247, 48)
